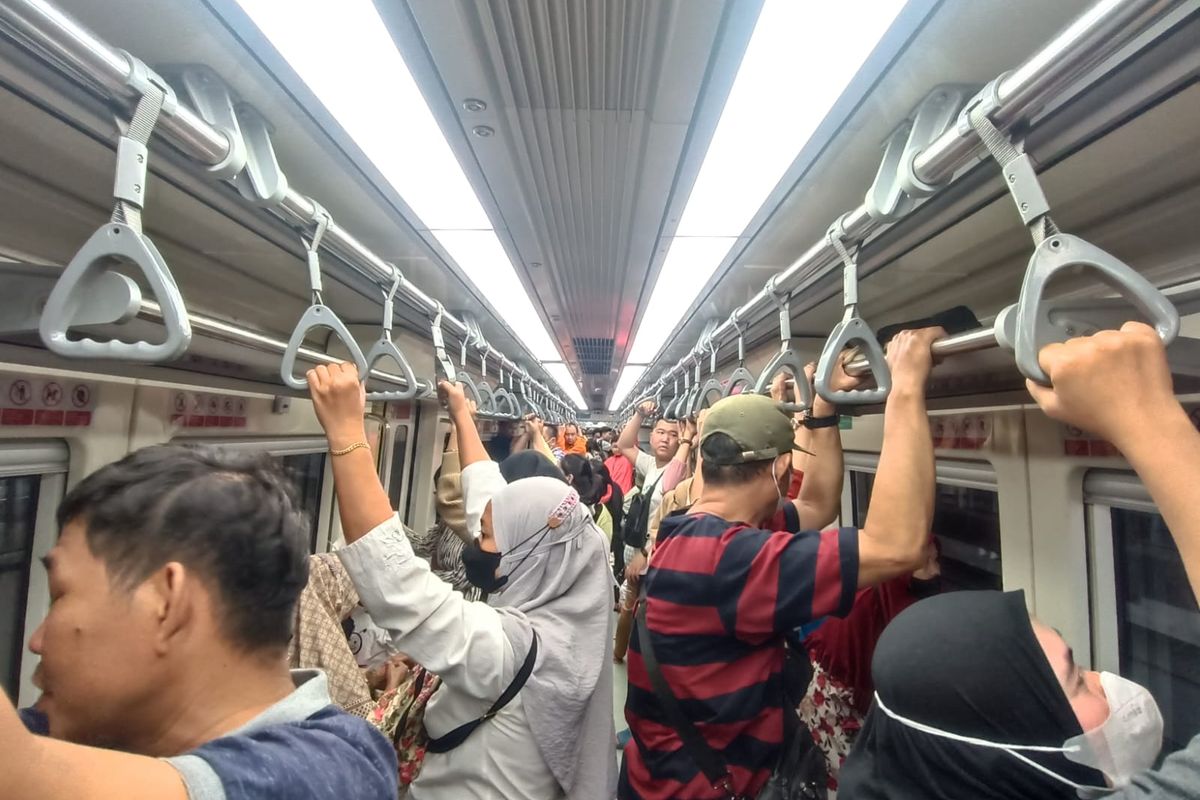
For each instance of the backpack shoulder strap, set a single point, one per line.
(444, 744)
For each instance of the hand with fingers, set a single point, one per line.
(647, 408)
(910, 359)
(339, 400)
(779, 386)
(456, 400)
(1108, 383)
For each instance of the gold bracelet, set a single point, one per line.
(349, 449)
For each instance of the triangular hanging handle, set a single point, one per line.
(853, 330)
(704, 398)
(487, 398)
(506, 404)
(1062, 251)
(739, 377)
(384, 347)
(317, 316)
(115, 240)
(790, 361)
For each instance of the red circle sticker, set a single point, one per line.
(180, 403)
(20, 392)
(81, 395)
(52, 394)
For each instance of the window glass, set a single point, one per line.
(18, 517)
(967, 525)
(1158, 622)
(399, 464)
(307, 473)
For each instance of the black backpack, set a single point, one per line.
(637, 518)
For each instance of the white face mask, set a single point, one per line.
(1127, 743)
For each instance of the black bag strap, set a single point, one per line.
(444, 744)
(709, 760)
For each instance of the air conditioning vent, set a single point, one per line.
(595, 355)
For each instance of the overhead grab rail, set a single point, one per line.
(41, 27)
(121, 239)
(852, 329)
(1098, 33)
(1024, 327)
(318, 314)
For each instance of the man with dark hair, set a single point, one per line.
(173, 588)
(722, 593)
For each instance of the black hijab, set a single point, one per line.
(529, 464)
(966, 663)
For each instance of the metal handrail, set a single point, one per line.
(47, 30)
(1096, 34)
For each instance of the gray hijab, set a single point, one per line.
(560, 586)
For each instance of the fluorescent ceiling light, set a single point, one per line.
(630, 375)
(690, 262)
(343, 52)
(562, 376)
(791, 74)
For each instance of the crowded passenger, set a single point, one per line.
(163, 671)
(569, 441)
(583, 476)
(973, 698)
(721, 594)
(525, 705)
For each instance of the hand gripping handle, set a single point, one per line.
(317, 316)
(853, 329)
(115, 240)
(384, 347)
(788, 360)
(1060, 252)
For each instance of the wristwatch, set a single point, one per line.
(813, 423)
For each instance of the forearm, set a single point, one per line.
(362, 501)
(627, 442)
(542, 446)
(821, 493)
(901, 511)
(470, 446)
(1166, 456)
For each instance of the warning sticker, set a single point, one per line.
(51, 402)
(207, 410)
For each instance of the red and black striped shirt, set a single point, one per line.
(720, 598)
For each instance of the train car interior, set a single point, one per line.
(576, 209)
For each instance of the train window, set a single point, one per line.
(307, 473)
(18, 519)
(1146, 623)
(32, 476)
(397, 472)
(966, 518)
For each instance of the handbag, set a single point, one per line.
(799, 773)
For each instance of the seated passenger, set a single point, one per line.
(524, 709)
(173, 587)
(975, 699)
(721, 595)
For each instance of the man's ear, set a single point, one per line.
(170, 595)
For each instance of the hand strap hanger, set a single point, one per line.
(318, 314)
(449, 372)
(852, 329)
(122, 240)
(787, 359)
(385, 347)
(712, 387)
(740, 377)
(1029, 328)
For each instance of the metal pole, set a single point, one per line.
(969, 342)
(1095, 35)
(46, 29)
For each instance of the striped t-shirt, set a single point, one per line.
(720, 598)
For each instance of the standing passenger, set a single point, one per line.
(163, 670)
(525, 705)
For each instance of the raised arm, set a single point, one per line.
(534, 427)
(1117, 384)
(892, 542)
(462, 416)
(627, 442)
(820, 497)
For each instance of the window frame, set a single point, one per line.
(49, 460)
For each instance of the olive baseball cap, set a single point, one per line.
(758, 428)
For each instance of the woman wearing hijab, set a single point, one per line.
(525, 705)
(975, 699)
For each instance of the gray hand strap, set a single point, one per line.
(851, 330)
(122, 240)
(318, 315)
(385, 347)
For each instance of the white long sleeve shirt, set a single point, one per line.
(464, 643)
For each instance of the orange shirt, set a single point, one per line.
(579, 448)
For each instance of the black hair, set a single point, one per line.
(228, 516)
(582, 475)
(719, 447)
(594, 448)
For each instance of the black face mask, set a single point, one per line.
(481, 566)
